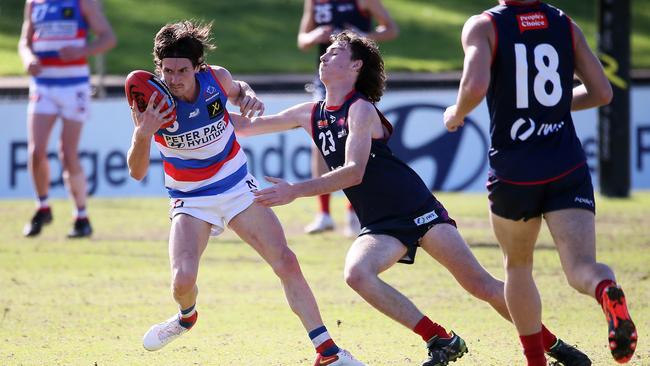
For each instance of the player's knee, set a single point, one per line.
(183, 282)
(356, 276)
(69, 160)
(287, 265)
(37, 155)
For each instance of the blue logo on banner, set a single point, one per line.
(440, 146)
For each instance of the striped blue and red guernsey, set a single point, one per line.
(200, 152)
(58, 24)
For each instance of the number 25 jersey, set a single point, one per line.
(533, 139)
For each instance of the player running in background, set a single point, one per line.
(209, 185)
(54, 51)
(321, 19)
(523, 56)
(397, 211)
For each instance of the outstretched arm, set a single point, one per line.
(294, 117)
(362, 116)
(478, 40)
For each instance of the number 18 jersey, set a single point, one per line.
(533, 139)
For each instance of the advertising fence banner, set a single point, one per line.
(446, 161)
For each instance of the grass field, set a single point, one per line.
(259, 36)
(88, 302)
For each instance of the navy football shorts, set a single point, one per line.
(523, 201)
(410, 229)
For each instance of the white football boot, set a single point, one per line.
(159, 335)
(342, 358)
(322, 222)
(352, 225)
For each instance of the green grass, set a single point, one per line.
(88, 302)
(259, 36)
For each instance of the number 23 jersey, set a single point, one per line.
(533, 138)
(390, 188)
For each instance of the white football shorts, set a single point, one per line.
(219, 209)
(69, 102)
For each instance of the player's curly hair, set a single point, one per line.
(371, 81)
(185, 39)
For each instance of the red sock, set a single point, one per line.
(548, 339)
(533, 349)
(324, 200)
(601, 287)
(427, 329)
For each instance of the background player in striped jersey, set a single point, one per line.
(209, 185)
(321, 19)
(54, 51)
(523, 56)
(397, 211)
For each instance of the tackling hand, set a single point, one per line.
(249, 105)
(280, 193)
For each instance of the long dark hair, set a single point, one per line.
(185, 39)
(371, 81)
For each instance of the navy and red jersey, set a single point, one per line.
(340, 14)
(529, 99)
(390, 188)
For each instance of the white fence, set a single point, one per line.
(445, 161)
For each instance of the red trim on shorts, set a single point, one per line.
(545, 180)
